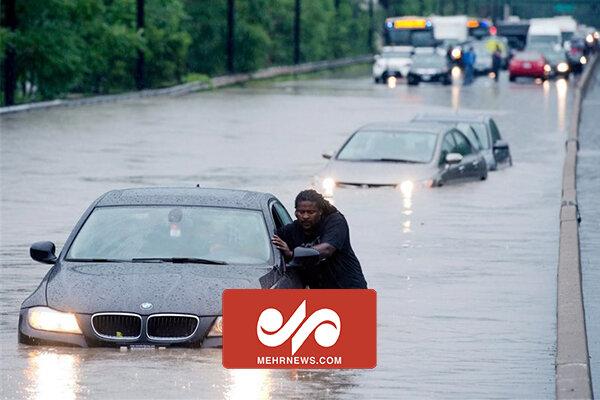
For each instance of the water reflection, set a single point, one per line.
(249, 384)
(52, 375)
(561, 94)
(406, 206)
(455, 97)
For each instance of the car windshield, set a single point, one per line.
(396, 54)
(429, 61)
(163, 233)
(550, 40)
(413, 147)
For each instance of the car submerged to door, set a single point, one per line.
(402, 155)
(147, 267)
(482, 132)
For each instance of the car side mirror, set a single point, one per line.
(500, 145)
(43, 252)
(327, 155)
(453, 158)
(304, 257)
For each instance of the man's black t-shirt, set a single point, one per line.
(342, 269)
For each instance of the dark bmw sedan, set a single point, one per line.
(147, 267)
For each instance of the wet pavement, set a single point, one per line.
(465, 274)
(588, 192)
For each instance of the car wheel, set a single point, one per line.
(447, 81)
(512, 78)
(413, 81)
(377, 80)
(510, 163)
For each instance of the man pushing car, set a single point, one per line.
(321, 226)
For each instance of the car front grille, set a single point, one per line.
(117, 325)
(364, 185)
(171, 326)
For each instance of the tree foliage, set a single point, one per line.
(91, 46)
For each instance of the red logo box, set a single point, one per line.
(299, 328)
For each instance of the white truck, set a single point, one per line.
(544, 32)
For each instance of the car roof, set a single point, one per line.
(185, 196)
(417, 126)
(451, 117)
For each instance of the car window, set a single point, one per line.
(470, 134)
(494, 131)
(235, 236)
(280, 215)
(462, 144)
(448, 146)
(482, 134)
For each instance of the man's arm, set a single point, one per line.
(325, 250)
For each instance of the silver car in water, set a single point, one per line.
(403, 155)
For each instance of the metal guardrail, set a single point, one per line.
(179, 90)
(573, 378)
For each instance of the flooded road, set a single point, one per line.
(465, 274)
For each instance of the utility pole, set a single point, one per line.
(139, 67)
(9, 70)
(297, 32)
(230, 36)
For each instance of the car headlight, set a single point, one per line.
(589, 38)
(406, 187)
(547, 68)
(583, 60)
(47, 319)
(328, 184)
(562, 67)
(217, 328)
(456, 53)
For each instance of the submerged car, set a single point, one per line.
(556, 59)
(147, 267)
(393, 61)
(403, 155)
(483, 133)
(429, 67)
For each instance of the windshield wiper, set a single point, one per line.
(94, 260)
(397, 160)
(180, 260)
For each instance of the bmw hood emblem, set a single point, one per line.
(146, 306)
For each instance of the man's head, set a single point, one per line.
(311, 206)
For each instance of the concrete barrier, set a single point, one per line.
(179, 90)
(573, 377)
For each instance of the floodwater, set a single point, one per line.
(465, 274)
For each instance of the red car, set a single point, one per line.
(530, 64)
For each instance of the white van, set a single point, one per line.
(544, 32)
